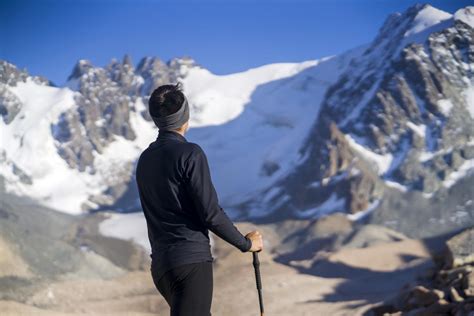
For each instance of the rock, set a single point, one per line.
(441, 307)
(455, 297)
(456, 160)
(466, 308)
(461, 248)
(420, 296)
(429, 183)
(332, 225)
(447, 277)
(468, 152)
(447, 291)
(10, 104)
(390, 119)
(370, 234)
(468, 284)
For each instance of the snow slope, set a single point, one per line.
(219, 99)
(272, 123)
(27, 141)
(27, 144)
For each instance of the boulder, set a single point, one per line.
(461, 248)
(420, 296)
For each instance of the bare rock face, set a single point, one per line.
(103, 107)
(461, 249)
(10, 75)
(10, 105)
(339, 151)
(105, 99)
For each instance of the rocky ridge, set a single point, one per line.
(398, 118)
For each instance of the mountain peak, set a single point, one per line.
(424, 16)
(180, 61)
(149, 64)
(413, 20)
(10, 74)
(81, 67)
(465, 15)
(127, 60)
(415, 24)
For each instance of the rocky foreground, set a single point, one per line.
(56, 264)
(448, 289)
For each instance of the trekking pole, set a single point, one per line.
(256, 265)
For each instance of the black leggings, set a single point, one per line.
(187, 289)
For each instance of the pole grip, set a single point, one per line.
(256, 265)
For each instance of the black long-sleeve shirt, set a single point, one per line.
(180, 203)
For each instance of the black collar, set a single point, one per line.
(171, 135)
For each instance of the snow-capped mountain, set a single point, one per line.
(293, 139)
(73, 148)
(400, 116)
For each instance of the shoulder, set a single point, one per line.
(141, 162)
(194, 152)
(194, 149)
(143, 155)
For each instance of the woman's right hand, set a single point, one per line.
(257, 241)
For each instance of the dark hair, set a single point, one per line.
(165, 100)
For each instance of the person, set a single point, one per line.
(180, 205)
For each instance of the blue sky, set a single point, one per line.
(47, 37)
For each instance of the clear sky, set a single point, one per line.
(47, 37)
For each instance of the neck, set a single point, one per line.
(179, 132)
